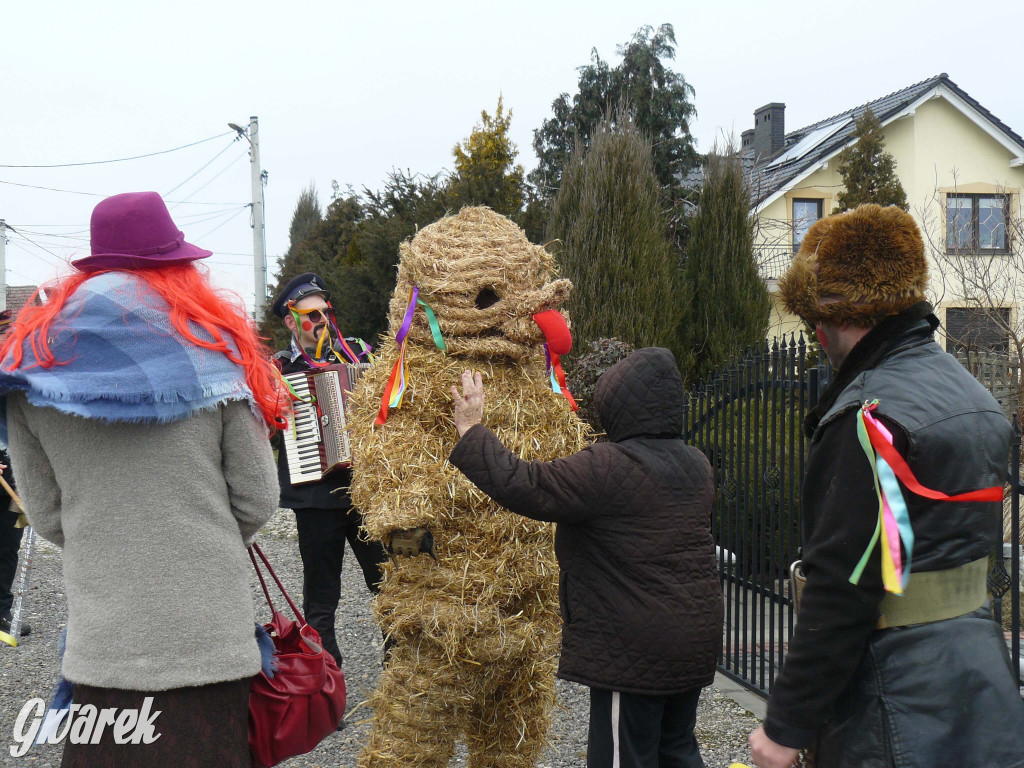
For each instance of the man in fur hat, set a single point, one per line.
(894, 660)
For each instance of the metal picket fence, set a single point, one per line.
(747, 418)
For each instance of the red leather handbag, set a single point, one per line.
(293, 711)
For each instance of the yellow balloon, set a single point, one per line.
(739, 765)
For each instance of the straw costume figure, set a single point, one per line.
(476, 630)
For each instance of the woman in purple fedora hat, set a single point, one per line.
(138, 405)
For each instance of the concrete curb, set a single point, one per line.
(743, 696)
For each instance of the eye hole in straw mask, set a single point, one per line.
(486, 298)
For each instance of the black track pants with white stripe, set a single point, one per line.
(631, 731)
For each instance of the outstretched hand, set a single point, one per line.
(767, 754)
(469, 406)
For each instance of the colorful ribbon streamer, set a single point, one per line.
(553, 366)
(325, 337)
(395, 388)
(893, 527)
(394, 391)
(367, 350)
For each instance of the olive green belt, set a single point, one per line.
(936, 596)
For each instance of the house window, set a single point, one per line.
(805, 213)
(976, 223)
(978, 330)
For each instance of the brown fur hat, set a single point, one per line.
(857, 267)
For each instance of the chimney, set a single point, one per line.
(769, 129)
(747, 139)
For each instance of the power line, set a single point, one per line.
(220, 225)
(203, 167)
(80, 231)
(120, 159)
(72, 241)
(79, 236)
(16, 272)
(246, 264)
(53, 189)
(37, 245)
(233, 211)
(208, 181)
(69, 236)
(99, 194)
(46, 261)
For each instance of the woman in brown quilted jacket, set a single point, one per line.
(639, 592)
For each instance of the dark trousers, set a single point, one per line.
(632, 731)
(322, 536)
(10, 543)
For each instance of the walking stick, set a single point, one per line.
(17, 609)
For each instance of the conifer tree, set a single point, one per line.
(317, 243)
(611, 242)
(729, 303)
(305, 218)
(485, 170)
(660, 102)
(407, 202)
(868, 171)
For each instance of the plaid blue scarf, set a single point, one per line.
(123, 360)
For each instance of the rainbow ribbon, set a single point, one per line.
(326, 336)
(395, 389)
(553, 367)
(893, 527)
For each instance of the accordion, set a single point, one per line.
(316, 441)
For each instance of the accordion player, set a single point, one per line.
(316, 440)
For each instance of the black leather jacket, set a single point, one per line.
(933, 694)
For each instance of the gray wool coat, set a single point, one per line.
(153, 520)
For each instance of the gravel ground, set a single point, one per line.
(30, 671)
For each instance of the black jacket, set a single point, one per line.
(319, 495)
(639, 591)
(932, 694)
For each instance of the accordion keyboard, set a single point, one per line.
(317, 441)
(302, 439)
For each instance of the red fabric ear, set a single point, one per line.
(555, 330)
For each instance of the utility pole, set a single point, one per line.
(258, 225)
(3, 265)
(259, 178)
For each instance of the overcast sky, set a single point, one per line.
(347, 91)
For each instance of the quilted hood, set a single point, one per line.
(641, 396)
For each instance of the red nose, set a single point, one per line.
(555, 330)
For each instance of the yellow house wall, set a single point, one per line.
(937, 150)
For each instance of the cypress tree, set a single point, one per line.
(729, 305)
(306, 217)
(868, 171)
(611, 238)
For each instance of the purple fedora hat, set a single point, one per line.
(135, 230)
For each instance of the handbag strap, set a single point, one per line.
(295, 609)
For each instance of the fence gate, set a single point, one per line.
(747, 419)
